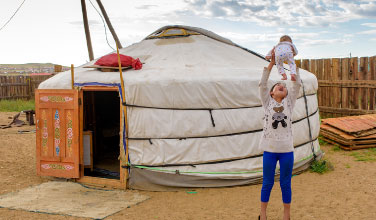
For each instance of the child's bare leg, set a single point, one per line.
(293, 77)
(284, 76)
(292, 65)
(286, 211)
(264, 205)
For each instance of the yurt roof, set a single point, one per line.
(190, 58)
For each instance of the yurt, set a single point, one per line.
(191, 117)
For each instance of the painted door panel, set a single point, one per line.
(57, 136)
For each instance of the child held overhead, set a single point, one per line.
(284, 51)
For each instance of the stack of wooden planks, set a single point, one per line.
(351, 132)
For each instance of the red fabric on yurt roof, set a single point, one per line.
(112, 60)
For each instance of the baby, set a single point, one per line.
(285, 51)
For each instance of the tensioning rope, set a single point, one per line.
(309, 123)
(203, 109)
(206, 109)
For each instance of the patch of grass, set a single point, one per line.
(321, 141)
(347, 165)
(16, 105)
(336, 148)
(321, 166)
(365, 155)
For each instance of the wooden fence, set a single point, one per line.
(19, 86)
(347, 86)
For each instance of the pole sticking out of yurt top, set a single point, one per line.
(108, 22)
(72, 76)
(87, 31)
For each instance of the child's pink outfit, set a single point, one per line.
(284, 52)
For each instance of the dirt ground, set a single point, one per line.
(348, 192)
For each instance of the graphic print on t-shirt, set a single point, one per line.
(279, 117)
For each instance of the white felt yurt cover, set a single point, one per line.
(194, 110)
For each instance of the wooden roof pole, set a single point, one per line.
(125, 115)
(87, 31)
(109, 25)
(72, 76)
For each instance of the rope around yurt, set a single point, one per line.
(154, 167)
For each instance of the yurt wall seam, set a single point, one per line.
(207, 109)
(211, 136)
(147, 167)
(218, 161)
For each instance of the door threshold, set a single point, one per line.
(101, 182)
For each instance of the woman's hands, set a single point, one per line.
(272, 61)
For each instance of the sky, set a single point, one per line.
(52, 31)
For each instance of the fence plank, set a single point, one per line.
(298, 63)
(328, 90)
(363, 75)
(336, 74)
(372, 66)
(352, 72)
(319, 63)
(305, 65)
(345, 76)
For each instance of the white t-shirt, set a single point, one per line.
(277, 132)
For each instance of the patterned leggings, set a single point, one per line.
(283, 53)
(286, 161)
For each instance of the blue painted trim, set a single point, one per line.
(121, 97)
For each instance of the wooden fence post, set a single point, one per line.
(305, 64)
(298, 63)
(345, 76)
(328, 91)
(363, 76)
(336, 73)
(372, 93)
(30, 89)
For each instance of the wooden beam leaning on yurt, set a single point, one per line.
(123, 177)
(87, 31)
(108, 22)
(72, 76)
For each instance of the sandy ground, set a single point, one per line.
(348, 192)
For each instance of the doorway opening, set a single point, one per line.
(101, 127)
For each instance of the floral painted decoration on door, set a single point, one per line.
(57, 166)
(44, 134)
(69, 133)
(56, 98)
(57, 133)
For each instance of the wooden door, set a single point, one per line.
(57, 133)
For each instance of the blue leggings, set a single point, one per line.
(286, 163)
